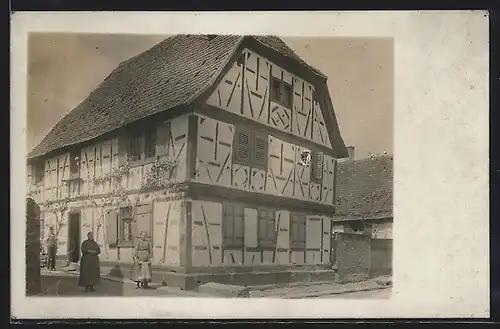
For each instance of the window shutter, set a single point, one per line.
(143, 223)
(162, 139)
(111, 227)
(243, 146)
(260, 154)
(317, 167)
(122, 150)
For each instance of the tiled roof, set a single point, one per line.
(278, 45)
(170, 74)
(364, 188)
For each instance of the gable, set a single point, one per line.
(248, 88)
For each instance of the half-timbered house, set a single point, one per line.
(254, 137)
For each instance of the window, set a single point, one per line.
(250, 148)
(38, 172)
(298, 231)
(125, 224)
(74, 162)
(150, 143)
(275, 90)
(357, 227)
(266, 228)
(143, 145)
(281, 92)
(135, 147)
(233, 225)
(317, 167)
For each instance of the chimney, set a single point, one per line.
(350, 150)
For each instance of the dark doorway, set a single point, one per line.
(74, 237)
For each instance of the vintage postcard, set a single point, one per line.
(272, 167)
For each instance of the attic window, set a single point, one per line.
(281, 93)
(241, 60)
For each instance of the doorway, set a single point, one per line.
(74, 237)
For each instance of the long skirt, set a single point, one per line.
(89, 271)
(141, 272)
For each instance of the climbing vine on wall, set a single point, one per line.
(58, 208)
(116, 175)
(157, 178)
(159, 175)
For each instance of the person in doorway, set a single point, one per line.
(90, 272)
(51, 249)
(141, 272)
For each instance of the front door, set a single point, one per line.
(74, 237)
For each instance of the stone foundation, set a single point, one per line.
(177, 277)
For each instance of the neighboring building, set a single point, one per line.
(364, 196)
(237, 114)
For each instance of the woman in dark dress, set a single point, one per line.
(90, 273)
(141, 272)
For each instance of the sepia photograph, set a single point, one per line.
(210, 164)
(234, 166)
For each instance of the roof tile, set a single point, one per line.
(364, 188)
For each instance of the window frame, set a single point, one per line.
(74, 165)
(252, 161)
(38, 172)
(298, 244)
(121, 222)
(228, 242)
(265, 243)
(280, 98)
(147, 146)
(138, 137)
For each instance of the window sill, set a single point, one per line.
(232, 247)
(280, 103)
(262, 248)
(74, 177)
(138, 163)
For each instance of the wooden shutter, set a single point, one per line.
(144, 222)
(317, 167)
(122, 150)
(162, 139)
(111, 227)
(243, 146)
(260, 150)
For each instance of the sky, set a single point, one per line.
(64, 68)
